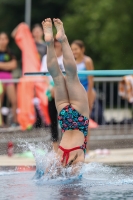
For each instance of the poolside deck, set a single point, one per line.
(109, 137)
(119, 141)
(117, 157)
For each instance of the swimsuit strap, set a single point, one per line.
(66, 153)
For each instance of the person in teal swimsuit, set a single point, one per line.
(84, 62)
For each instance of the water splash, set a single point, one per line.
(48, 165)
(50, 171)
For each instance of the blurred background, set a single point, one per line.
(105, 28)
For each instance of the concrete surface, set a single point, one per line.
(117, 157)
(110, 137)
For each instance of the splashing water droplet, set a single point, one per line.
(50, 171)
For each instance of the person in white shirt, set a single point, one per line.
(59, 55)
(50, 94)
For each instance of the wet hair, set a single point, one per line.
(79, 43)
(36, 26)
(4, 33)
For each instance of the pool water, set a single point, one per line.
(92, 182)
(98, 182)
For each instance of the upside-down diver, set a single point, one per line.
(70, 97)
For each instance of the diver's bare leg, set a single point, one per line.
(61, 96)
(77, 94)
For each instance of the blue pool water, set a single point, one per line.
(93, 182)
(99, 182)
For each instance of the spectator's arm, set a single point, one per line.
(90, 66)
(7, 66)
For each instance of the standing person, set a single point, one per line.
(8, 63)
(50, 94)
(37, 33)
(70, 97)
(84, 62)
(28, 88)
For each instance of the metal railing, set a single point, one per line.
(115, 110)
(109, 108)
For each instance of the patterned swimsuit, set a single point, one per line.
(71, 119)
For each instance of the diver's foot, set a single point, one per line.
(60, 36)
(47, 28)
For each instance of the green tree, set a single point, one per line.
(12, 13)
(106, 28)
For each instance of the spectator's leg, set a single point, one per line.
(1, 102)
(54, 123)
(93, 97)
(11, 94)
